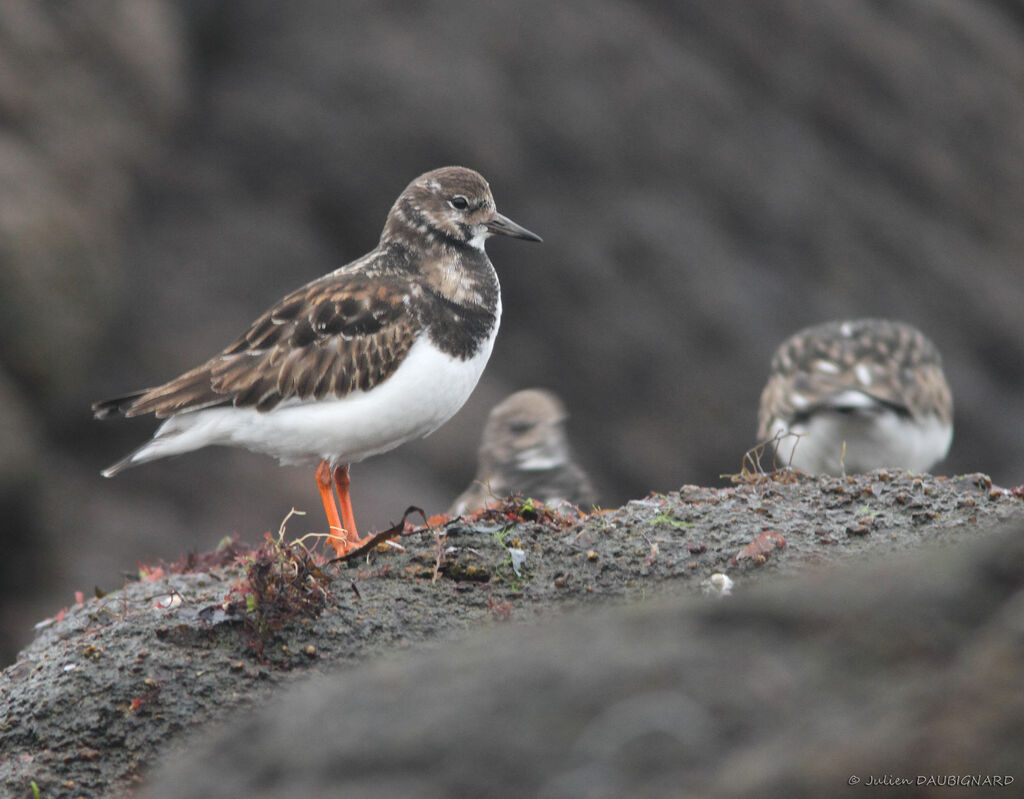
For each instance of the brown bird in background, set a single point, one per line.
(525, 450)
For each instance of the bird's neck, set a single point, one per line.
(467, 279)
(461, 275)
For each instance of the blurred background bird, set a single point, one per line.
(852, 396)
(525, 451)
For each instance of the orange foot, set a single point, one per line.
(342, 536)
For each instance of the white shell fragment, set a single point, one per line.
(718, 584)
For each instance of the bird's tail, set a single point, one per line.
(120, 406)
(125, 462)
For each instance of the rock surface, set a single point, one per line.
(905, 675)
(118, 682)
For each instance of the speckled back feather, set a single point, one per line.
(891, 362)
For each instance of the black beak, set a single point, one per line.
(504, 226)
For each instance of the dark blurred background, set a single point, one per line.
(708, 177)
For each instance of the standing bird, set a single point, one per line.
(525, 450)
(382, 351)
(860, 395)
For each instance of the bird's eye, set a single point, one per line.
(459, 202)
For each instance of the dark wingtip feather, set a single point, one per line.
(118, 406)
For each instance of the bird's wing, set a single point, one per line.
(342, 333)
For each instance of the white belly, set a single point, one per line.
(423, 393)
(876, 440)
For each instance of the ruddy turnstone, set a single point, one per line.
(861, 395)
(379, 352)
(525, 450)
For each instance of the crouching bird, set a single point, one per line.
(859, 395)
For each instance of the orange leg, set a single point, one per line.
(342, 534)
(348, 518)
(323, 483)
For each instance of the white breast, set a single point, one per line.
(876, 440)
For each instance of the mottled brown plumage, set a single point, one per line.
(351, 328)
(890, 361)
(331, 337)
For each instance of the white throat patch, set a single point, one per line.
(480, 235)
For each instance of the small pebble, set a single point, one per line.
(718, 584)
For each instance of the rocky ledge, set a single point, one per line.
(752, 626)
